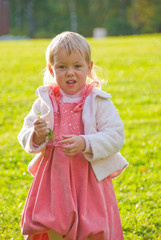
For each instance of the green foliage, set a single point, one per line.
(132, 67)
(120, 17)
(118, 26)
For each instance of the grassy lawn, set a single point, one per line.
(132, 67)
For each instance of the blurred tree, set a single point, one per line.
(39, 18)
(83, 13)
(18, 14)
(116, 21)
(30, 14)
(133, 13)
(142, 15)
(18, 17)
(73, 15)
(123, 4)
(157, 16)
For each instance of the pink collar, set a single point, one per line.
(57, 94)
(76, 95)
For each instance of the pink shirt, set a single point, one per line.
(66, 98)
(75, 98)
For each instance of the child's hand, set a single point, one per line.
(40, 131)
(75, 144)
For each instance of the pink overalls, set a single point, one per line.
(65, 196)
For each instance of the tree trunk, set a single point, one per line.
(73, 15)
(30, 14)
(18, 14)
(134, 15)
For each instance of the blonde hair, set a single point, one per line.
(70, 41)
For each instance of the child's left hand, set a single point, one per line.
(75, 144)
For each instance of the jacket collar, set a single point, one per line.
(101, 93)
(43, 91)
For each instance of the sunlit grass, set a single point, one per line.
(132, 67)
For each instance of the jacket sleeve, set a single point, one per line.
(26, 134)
(109, 135)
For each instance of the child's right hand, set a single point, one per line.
(40, 131)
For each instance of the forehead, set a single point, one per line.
(63, 54)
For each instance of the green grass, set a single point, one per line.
(132, 67)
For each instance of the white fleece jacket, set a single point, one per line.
(103, 129)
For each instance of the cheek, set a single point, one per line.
(82, 75)
(59, 75)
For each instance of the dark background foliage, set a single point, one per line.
(42, 19)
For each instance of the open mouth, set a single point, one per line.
(71, 82)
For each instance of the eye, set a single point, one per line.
(61, 66)
(77, 66)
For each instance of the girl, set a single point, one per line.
(72, 195)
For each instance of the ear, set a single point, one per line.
(50, 70)
(90, 66)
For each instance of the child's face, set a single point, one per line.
(70, 71)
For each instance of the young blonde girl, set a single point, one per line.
(76, 133)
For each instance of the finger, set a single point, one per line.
(42, 131)
(40, 128)
(68, 139)
(70, 154)
(39, 124)
(67, 136)
(39, 121)
(66, 142)
(68, 147)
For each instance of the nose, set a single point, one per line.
(70, 71)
